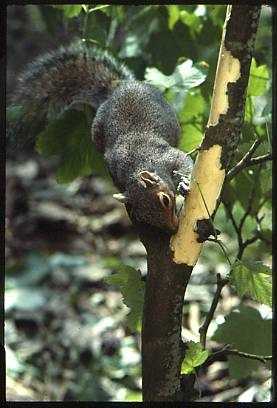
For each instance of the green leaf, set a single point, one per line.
(191, 138)
(253, 279)
(192, 21)
(194, 106)
(185, 76)
(245, 330)
(70, 10)
(216, 14)
(258, 80)
(131, 286)
(194, 357)
(173, 15)
(132, 396)
(68, 137)
(244, 183)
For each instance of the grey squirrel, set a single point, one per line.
(134, 127)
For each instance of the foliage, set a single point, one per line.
(254, 279)
(195, 356)
(131, 286)
(246, 331)
(69, 138)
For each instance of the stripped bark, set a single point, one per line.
(169, 273)
(223, 129)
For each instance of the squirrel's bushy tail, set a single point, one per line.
(56, 81)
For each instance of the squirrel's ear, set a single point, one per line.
(148, 179)
(121, 198)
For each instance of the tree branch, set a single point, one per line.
(248, 161)
(228, 351)
(204, 328)
(238, 167)
(162, 346)
(223, 129)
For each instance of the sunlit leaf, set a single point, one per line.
(253, 279)
(194, 357)
(191, 137)
(258, 80)
(173, 15)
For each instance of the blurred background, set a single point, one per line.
(66, 333)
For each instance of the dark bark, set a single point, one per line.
(162, 347)
(239, 40)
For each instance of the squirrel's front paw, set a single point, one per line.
(183, 186)
(183, 189)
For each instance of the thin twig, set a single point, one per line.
(236, 352)
(251, 240)
(243, 244)
(220, 243)
(204, 328)
(259, 159)
(193, 150)
(230, 213)
(252, 162)
(226, 350)
(241, 164)
(208, 212)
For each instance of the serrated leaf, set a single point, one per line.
(253, 279)
(68, 137)
(194, 357)
(131, 286)
(258, 80)
(245, 330)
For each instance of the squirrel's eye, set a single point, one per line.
(165, 200)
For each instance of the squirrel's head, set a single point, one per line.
(151, 201)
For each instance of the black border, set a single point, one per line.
(3, 31)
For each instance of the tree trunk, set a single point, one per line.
(162, 348)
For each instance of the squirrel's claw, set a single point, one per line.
(183, 188)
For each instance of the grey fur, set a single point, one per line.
(134, 127)
(138, 130)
